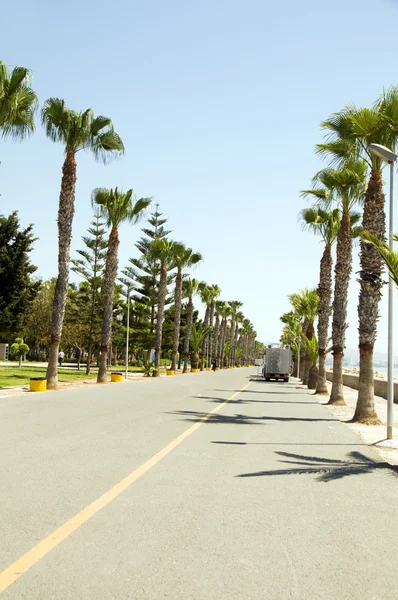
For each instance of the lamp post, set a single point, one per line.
(389, 157)
(126, 366)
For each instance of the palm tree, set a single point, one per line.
(234, 306)
(218, 308)
(305, 304)
(76, 131)
(197, 337)
(326, 224)
(162, 250)
(183, 258)
(239, 318)
(225, 313)
(312, 351)
(18, 103)
(246, 332)
(350, 133)
(205, 296)
(346, 186)
(115, 207)
(215, 291)
(190, 287)
(228, 349)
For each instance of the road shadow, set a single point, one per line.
(327, 469)
(283, 443)
(195, 416)
(270, 392)
(220, 400)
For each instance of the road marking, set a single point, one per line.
(23, 564)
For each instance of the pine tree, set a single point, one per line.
(91, 267)
(17, 287)
(143, 278)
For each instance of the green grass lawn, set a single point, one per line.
(13, 376)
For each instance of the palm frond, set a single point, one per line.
(388, 256)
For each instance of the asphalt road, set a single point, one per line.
(267, 498)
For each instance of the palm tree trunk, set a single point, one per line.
(211, 334)
(204, 345)
(194, 360)
(342, 279)
(109, 284)
(188, 331)
(177, 318)
(216, 340)
(313, 377)
(369, 297)
(222, 340)
(309, 332)
(65, 220)
(159, 319)
(325, 294)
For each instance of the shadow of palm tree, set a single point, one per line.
(327, 469)
(196, 416)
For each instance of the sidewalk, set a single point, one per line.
(374, 436)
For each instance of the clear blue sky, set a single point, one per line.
(219, 105)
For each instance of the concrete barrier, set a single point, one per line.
(380, 385)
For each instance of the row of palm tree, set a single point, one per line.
(215, 332)
(78, 131)
(352, 180)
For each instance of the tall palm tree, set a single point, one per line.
(205, 296)
(346, 187)
(190, 287)
(247, 328)
(312, 351)
(163, 251)
(225, 313)
(349, 134)
(305, 304)
(239, 318)
(215, 291)
(326, 224)
(198, 335)
(18, 103)
(218, 308)
(183, 258)
(234, 306)
(115, 207)
(76, 131)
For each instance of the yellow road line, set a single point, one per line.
(23, 564)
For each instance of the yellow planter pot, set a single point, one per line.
(217, 368)
(116, 377)
(194, 370)
(208, 368)
(38, 384)
(170, 372)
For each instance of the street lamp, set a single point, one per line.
(126, 365)
(389, 157)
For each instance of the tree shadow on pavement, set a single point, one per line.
(196, 416)
(327, 469)
(285, 443)
(220, 401)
